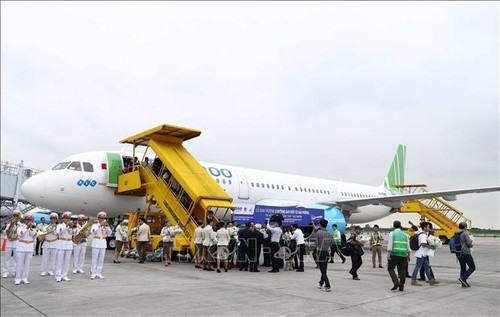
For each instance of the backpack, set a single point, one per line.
(455, 243)
(346, 249)
(414, 245)
(343, 239)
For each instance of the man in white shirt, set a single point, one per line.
(297, 235)
(143, 237)
(49, 246)
(40, 228)
(11, 244)
(24, 252)
(420, 255)
(208, 242)
(80, 247)
(275, 232)
(198, 243)
(65, 232)
(100, 230)
(232, 228)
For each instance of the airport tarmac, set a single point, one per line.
(151, 289)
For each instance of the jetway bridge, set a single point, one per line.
(13, 176)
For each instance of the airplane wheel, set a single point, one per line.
(111, 243)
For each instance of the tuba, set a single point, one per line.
(50, 229)
(81, 236)
(12, 230)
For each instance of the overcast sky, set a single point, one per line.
(324, 89)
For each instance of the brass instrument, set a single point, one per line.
(81, 236)
(50, 229)
(12, 231)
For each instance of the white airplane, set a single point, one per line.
(86, 183)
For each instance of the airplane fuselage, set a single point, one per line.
(86, 189)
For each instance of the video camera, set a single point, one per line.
(316, 220)
(277, 218)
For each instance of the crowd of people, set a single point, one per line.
(221, 247)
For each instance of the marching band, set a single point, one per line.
(60, 240)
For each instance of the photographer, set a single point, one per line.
(275, 233)
(297, 236)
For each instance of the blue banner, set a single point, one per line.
(302, 216)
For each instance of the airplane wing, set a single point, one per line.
(396, 201)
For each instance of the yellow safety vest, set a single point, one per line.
(377, 241)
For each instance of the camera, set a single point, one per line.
(277, 218)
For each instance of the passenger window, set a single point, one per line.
(223, 181)
(272, 186)
(75, 166)
(88, 167)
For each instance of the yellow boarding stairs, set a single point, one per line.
(435, 210)
(175, 182)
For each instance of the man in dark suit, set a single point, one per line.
(243, 238)
(254, 247)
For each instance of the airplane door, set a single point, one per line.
(114, 163)
(243, 187)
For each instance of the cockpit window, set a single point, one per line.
(88, 167)
(60, 166)
(75, 166)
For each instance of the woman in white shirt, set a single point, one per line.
(121, 236)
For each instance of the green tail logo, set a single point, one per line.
(396, 173)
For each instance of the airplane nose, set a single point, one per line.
(33, 189)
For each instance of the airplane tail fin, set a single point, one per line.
(396, 173)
